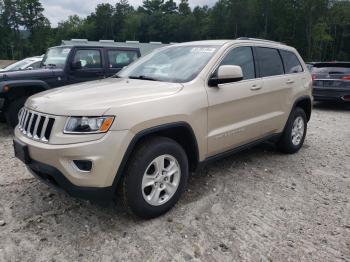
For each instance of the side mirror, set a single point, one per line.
(226, 74)
(76, 65)
(30, 68)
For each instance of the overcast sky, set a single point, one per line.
(57, 11)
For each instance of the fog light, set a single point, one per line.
(83, 165)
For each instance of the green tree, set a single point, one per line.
(319, 29)
(152, 6)
(103, 21)
(123, 10)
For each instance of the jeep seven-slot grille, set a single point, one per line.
(35, 125)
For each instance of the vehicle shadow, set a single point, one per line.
(45, 202)
(205, 181)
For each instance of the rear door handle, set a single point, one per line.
(255, 87)
(290, 81)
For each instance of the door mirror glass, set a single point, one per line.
(226, 74)
(76, 65)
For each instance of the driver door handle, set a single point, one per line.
(290, 81)
(255, 87)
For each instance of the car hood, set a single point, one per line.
(95, 98)
(29, 74)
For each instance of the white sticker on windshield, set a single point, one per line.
(202, 50)
(65, 51)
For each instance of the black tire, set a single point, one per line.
(2, 118)
(285, 143)
(11, 113)
(139, 163)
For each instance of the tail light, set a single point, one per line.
(346, 98)
(346, 78)
(313, 77)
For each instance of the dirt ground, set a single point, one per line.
(258, 205)
(4, 63)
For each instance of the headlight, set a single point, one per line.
(88, 125)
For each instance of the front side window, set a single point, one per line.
(88, 58)
(269, 61)
(35, 65)
(56, 57)
(291, 62)
(120, 58)
(243, 57)
(177, 64)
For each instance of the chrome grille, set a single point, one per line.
(35, 125)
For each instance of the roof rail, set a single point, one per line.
(258, 39)
(132, 42)
(155, 43)
(106, 41)
(79, 40)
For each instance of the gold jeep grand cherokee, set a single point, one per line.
(145, 129)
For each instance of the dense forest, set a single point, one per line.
(319, 29)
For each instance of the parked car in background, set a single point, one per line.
(78, 61)
(171, 111)
(331, 81)
(25, 64)
(309, 65)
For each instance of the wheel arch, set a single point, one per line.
(15, 89)
(181, 132)
(304, 103)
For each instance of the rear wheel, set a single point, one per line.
(11, 113)
(294, 134)
(155, 178)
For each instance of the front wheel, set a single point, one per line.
(11, 113)
(294, 134)
(155, 178)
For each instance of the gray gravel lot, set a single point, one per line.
(258, 205)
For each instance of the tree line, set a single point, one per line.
(319, 29)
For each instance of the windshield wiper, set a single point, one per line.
(142, 77)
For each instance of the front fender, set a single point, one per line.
(15, 84)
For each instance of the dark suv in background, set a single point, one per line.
(331, 81)
(73, 62)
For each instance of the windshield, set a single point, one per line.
(18, 65)
(176, 64)
(56, 57)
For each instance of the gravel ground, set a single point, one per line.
(258, 205)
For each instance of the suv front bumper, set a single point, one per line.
(54, 163)
(53, 177)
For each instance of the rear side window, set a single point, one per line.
(269, 61)
(291, 62)
(88, 58)
(243, 57)
(121, 58)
